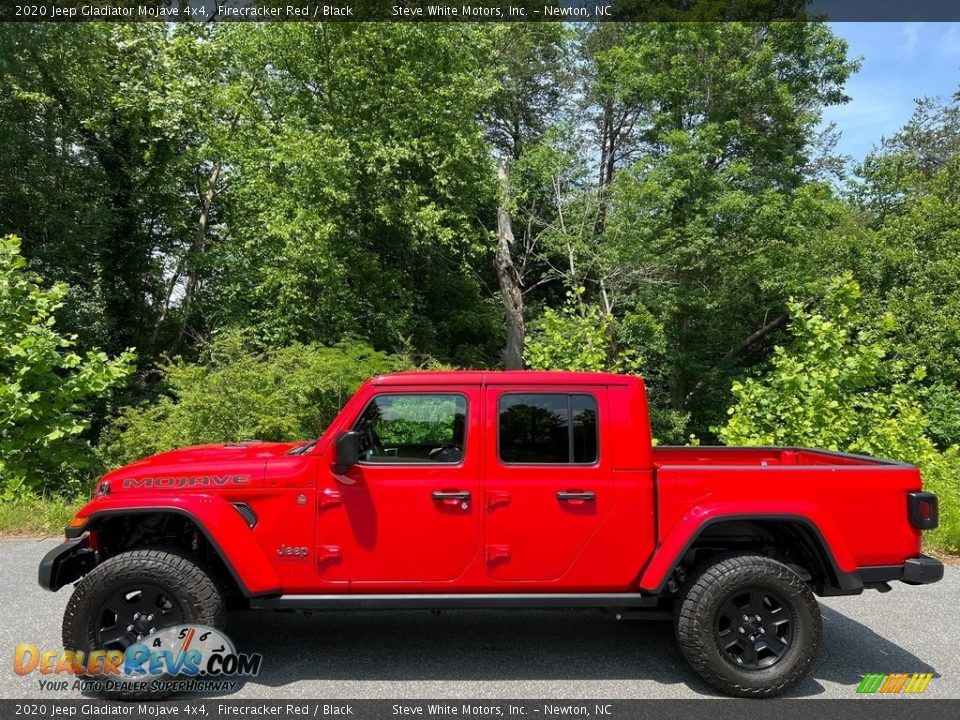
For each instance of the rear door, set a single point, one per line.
(549, 481)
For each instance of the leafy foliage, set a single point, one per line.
(577, 337)
(374, 176)
(582, 337)
(236, 392)
(717, 200)
(839, 386)
(46, 387)
(906, 258)
(311, 203)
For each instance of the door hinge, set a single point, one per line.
(328, 553)
(496, 498)
(328, 498)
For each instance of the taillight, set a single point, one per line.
(922, 510)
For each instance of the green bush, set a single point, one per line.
(837, 387)
(46, 387)
(234, 393)
(581, 336)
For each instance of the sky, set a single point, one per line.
(900, 62)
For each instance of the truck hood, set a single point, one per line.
(202, 468)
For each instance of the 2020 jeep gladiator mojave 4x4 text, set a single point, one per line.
(499, 490)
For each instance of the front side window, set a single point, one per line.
(413, 428)
(548, 428)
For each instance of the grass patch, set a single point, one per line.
(942, 477)
(37, 516)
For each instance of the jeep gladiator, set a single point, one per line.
(518, 489)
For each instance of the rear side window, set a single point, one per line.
(548, 428)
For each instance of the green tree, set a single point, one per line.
(186, 179)
(713, 129)
(905, 251)
(46, 387)
(353, 203)
(97, 125)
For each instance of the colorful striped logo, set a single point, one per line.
(894, 683)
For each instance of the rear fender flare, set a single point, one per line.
(692, 525)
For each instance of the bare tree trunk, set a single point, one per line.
(162, 317)
(734, 352)
(196, 251)
(510, 290)
(198, 246)
(774, 324)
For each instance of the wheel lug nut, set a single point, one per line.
(762, 631)
(136, 616)
(746, 618)
(152, 630)
(742, 631)
(139, 637)
(129, 628)
(150, 618)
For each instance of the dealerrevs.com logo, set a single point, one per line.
(183, 658)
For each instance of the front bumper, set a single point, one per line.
(920, 570)
(67, 562)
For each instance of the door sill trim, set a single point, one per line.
(434, 601)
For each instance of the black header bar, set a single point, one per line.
(478, 10)
(54, 708)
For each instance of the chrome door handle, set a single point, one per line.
(575, 496)
(451, 495)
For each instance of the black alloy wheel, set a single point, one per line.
(748, 624)
(134, 593)
(754, 628)
(134, 612)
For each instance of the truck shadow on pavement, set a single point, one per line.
(532, 653)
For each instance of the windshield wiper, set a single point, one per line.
(304, 448)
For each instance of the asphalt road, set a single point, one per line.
(512, 654)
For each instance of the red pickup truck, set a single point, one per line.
(500, 490)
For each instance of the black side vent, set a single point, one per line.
(247, 512)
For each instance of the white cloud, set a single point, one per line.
(949, 43)
(909, 37)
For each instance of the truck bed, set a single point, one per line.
(761, 456)
(842, 494)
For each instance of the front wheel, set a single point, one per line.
(134, 594)
(749, 625)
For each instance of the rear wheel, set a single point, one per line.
(134, 594)
(749, 625)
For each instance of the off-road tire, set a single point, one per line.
(699, 610)
(179, 574)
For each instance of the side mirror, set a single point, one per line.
(348, 450)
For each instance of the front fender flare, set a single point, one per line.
(222, 526)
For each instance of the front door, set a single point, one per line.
(549, 481)
(410, 511)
